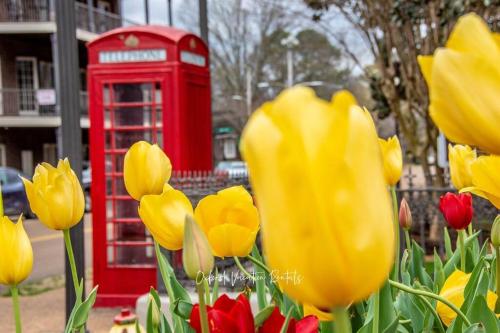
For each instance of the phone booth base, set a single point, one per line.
(147, 83)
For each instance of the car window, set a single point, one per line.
(9, 177)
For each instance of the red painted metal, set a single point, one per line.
(165, 102)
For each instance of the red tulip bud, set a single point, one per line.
(457, 209)
(405, 219)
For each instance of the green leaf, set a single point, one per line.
(284, 328)
(165, 326)
(439, 277)
(417, 266)
(480, 313)
(178, 289)
(475, 328)
(447, 244)
(261, 279)
(387, 311)
(452, 263)
(261, 317)
(182, 308)
(150, 327)
(82, 313)
(215, 288)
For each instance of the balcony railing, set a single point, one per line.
(31, 102)
(88, 19)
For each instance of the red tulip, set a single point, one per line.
(226, 316)
(274, 323)
(457, 209)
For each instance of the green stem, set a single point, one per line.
(71, 258)
(433, 311)
(376, 312)
(258, 263)
(470, 230)
(168, 285)
(395, 271)
(461, 235)
(15, 303)
(243, 270)
(408, 240)
(203, 308)
(342, 320)
(260, 283)
(431, 295)
(498, 276)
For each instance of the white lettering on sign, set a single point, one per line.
(193, 58)
(106, 57)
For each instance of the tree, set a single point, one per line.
(395, 32)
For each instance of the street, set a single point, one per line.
(48, 249)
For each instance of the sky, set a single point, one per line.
(185, 16)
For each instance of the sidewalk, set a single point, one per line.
(44, 313)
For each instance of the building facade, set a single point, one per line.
(29, 115)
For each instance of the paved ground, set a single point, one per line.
(44, 313)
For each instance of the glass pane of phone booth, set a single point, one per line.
(132, 112)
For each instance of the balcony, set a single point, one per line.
(24, 13)
(34, 108)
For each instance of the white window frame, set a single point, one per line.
(3, 155)
(25, 170)
(35, 83)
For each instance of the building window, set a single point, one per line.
(3, 155)
(27, 162)
(27, 83)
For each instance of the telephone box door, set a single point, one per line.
(131, 111)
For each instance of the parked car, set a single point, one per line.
(14, 197)
(234, 169)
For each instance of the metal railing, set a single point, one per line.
(89, 19)
(25, 11)
(24, 102)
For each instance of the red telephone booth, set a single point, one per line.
(145, 83)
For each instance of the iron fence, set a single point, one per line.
(428, 223)
(87, 18)
(24, 102)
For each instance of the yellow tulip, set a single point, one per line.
(317, 173)
(16, 259)
(164, 215)
(55, 195)
(314, 311)
(146, 169)
(230, 220)
(461, 158)
(486, 179)
(453, 291)
(393, 159)
(464, 80)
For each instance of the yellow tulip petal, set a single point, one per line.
(235, 194)
(463, 98)
(243, 214)
(461, 159)
(472, 35)
(294, 146)
(208, 212)
(311, 310)
(164, 216)
(16, 261)
(229, 240)
(392, 158)
(425, 63)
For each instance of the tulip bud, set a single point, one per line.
(16, 259)
(457, 209)
(55, 195)
(146, 169)
(405, 219)
(392, 158)
(495, 232)
(196, 255)
(155, 313)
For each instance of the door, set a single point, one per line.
(130, 111)
(27, 162)
(27, 84)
